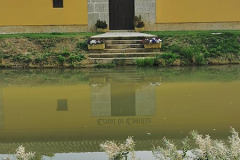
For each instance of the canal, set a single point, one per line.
(66, 114)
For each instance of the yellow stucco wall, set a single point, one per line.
(41, 12)
(179, 11)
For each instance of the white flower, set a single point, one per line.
(114, 150)
(22, 155)
(130, 144)
(93, 42)
(158, 40)
(111, 149)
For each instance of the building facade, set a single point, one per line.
(24, 16)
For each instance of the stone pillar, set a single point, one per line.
(145, 101)
(97, 9)
(101, 100)
(147, 9)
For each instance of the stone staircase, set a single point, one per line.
(120, 46)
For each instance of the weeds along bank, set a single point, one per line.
(70, 50)
(44, 50)
(197, 48)
(194, 147)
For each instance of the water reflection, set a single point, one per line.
(115, 99)
(80, 108)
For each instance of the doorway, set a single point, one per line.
(121, 14)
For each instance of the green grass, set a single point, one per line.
(200, 47)
(178, 48)
(145, 62)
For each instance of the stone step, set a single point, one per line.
(123, 41)
(123, 55)
(122, 31)
(122, 38)
(123, 46)
(127, 50)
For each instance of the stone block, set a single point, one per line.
(92, 18)
(99, 7)
(91, 8)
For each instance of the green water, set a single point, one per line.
(62, 111)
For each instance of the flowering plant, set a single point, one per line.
(152, 40)
(119, 151)
(95, 41)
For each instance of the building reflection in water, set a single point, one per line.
(116, 98)
(114, 105)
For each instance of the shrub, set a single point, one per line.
(40, 58)
(137, 18)
(174, 48)
(200, 59)
(1, 57)
(60, 59)
(101, 24)
(169, 55)
(65, 53)
(119, 151)
(76, 58)
(167, 58)
(46, 43)
(145, 62)
(22, 58)
(207, 148)
(187, 53)
(138, 22)
(21, 154)
(82, 46)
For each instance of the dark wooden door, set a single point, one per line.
(121, 14)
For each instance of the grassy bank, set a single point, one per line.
(197, 48)
(65, 50)
(44, 50)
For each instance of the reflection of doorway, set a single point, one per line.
(121, 14)
(123, 99)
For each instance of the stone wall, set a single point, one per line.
(42, 29)
(97, 9)
(193, 26)
(147, 9)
